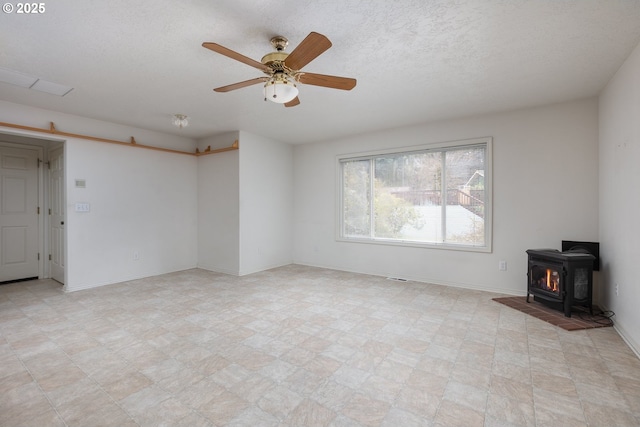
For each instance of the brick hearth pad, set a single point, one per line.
(578, 320)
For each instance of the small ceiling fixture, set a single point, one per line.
(180, 120)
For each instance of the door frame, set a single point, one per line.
(26, 140)
(47, 220)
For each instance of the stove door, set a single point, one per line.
(546, 279)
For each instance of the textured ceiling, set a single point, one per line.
(138, 62)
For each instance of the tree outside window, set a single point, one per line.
(429, 196)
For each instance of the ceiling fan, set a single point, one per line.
(283, 69)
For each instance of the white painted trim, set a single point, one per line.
(627, 339)
(265, 268)
(219, 270)
(44, 144)
(122, 280)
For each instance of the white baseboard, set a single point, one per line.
(469, 286)
(622, 331)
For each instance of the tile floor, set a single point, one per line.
(300, 346)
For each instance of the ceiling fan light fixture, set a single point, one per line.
(280, 89)
(180, 120)
(283, 69)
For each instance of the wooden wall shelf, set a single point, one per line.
(132, 143)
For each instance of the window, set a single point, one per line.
(429, 195)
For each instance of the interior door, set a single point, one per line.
(56, 214)
(19, 239)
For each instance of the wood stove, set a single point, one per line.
(561, 280)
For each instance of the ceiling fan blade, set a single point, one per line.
(333, 82)
(295, 101)
(235, 55)
(240, 85)
(308, 50)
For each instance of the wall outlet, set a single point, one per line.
(136, 256)
(617, 290)
(502, 266)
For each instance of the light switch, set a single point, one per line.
(82, 207)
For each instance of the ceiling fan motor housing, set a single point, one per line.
(274, 58)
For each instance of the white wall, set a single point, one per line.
(219, 207)
(245, 204)
(545, 172)
(141, 201)
(266, 203)
(619, 200)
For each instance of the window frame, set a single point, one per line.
(486, 142)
